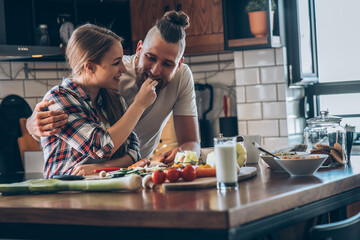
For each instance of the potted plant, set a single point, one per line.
(256, 10)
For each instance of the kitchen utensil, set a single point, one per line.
(208, 182)
(225, 106)
(204, 102)
(68, 177)
(228, 100)
(263, 150)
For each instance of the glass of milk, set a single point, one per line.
(225, 162)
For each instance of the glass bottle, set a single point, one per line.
(325, 135)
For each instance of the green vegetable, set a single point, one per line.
(131, 182)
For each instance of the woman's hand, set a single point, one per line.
(147, 93)
(85, 169)
(169, 157)
(43, 123)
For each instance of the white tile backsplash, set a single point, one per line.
(260, 93)
(265, 128)
(18, 70)
(274, 110)
(43, 74)
(240, 94)
(281, 92)
(226, 56)
(247, 111)
(225, 77)
(52, 83)
(204, 58)
(249, 76)
(212, 67)
(5, 70)
(32, 102)
(227, 66)
(279, 57)
(35, 88)
(242, 127)
(283, 127)
(261, 57)
(238, 59)
(11, 87)
(272, 74)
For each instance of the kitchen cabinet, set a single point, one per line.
(205, 33)
(20, 20)
(237, 32)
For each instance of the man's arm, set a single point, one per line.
(44, 123)
(187, 134)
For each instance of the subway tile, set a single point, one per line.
(283, 127)
(279, 56)
(291, 126)
(5, 70)
(238, 59)
(272, 74)
(226, 56)
(246, 111)
(32, 102)
(295, 139)
(248, 76)
(35, 88)
(281, 92)
(242, 127)
(266, 128)
(204, 58)
(274, 110)
(18, 70)
(273, 143)
(44, 74)
(186, 60)
(240, 94)
(204, 67)
(227, 66)
(293, 108)
(260, 93)
(224, 77)
(11, 87)
(52, 83)
(257, 58)
(63, 70)
(62, 65)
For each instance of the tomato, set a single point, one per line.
(188, 173)
(172, 174)
(158, 177)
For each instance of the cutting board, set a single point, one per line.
(26, 141)
(208, 182)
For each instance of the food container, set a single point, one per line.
(325, 135)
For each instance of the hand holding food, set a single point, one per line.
(146, 95)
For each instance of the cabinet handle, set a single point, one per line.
(166, 8)
(178, 7)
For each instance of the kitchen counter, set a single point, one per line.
(261, 205)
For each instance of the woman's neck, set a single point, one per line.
(89, 89)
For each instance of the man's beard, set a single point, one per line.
(142, 76)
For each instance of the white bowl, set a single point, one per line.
(274, 165)
(307, 164)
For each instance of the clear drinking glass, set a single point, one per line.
(225, 161)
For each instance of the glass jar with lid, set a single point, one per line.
(325, 135)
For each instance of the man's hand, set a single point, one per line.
(43, 123)
(169, 157)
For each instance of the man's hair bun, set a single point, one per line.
(177, 18)
(172, 26)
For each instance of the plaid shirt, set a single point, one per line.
(84, 136)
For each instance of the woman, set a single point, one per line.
(98, 127)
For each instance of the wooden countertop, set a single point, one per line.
(267, 194)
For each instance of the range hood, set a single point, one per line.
(18, 52)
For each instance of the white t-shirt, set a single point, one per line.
(177, 97)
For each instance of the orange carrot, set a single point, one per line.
(206, 172)
(141, 163)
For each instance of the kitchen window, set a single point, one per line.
(334, 57)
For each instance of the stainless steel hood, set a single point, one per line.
(18, 52)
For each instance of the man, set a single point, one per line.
(159, 57)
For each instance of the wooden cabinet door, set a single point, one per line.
(144, 14)
(206, 32)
